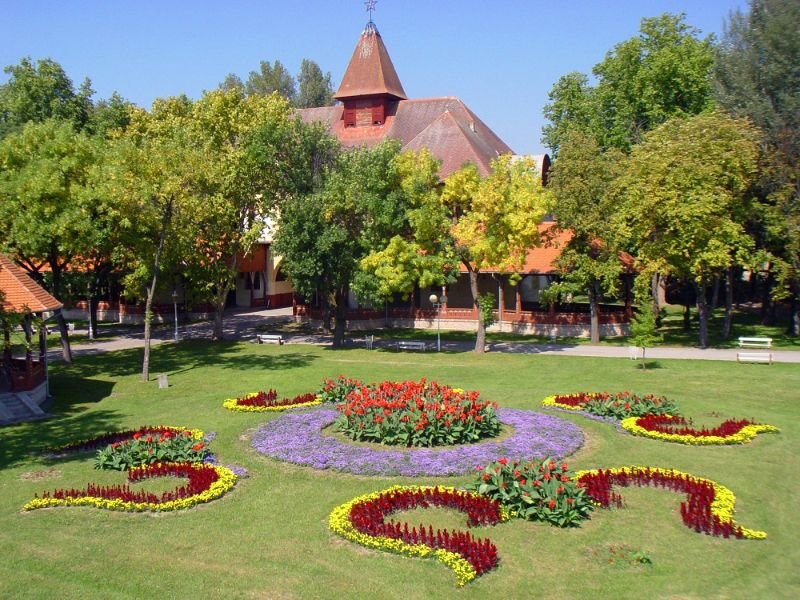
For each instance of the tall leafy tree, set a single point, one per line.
(41, 90)
(642, 82)
(314, 87)
(685, 200)
(756, 76)
(271, 78)
(580, 183)
(324, 235)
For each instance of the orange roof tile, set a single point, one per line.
(541, 259)
(20, 292)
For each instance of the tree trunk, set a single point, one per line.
(341, 318)
(687, 309)
(92, 297)
(66, 351)
(594, 313)
(219, 311)
(727, 324)
(715, 293)
(702, 312)
(644, 362)
(767, 312)
(480, 339)
(151, 290)
(794, 312)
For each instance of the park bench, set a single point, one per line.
(369, 340)
(754, 357)
(634, 352)
(411, 345)
(755, 342)
(269, 338)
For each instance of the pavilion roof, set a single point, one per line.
(370, 71)
(20, 292)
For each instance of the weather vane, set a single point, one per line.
(370, 4)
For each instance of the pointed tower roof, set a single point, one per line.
(370, 71)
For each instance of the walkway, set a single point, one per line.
(241, 324)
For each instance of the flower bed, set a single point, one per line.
(105, 439)
(617, 406)
(205, 483)
(535, 490)
(411, 413)
(363, 521)
(708, 507)
(268, 401)
(336, 390)
(298, 438)
(678, 429)
(168, 445)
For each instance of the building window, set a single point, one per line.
(349, 117)
(279, 276)
(257, 281)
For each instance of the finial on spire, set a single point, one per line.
(370, 4)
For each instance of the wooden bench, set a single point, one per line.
(411, 345)
(269, 338)
(754, 357)
(755, 342)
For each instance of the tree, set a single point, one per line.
(642, 82)
(324, 235)
(40, 91)
(43, 174)
(685, 200)
(109, 117)
(271, 78)
(580, 183)
(231, 82)
(315, 89)
(644, 333)
(756, 76)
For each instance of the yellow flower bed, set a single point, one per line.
(722, 506)
(339, 522)
(223, 484)
(744, 435)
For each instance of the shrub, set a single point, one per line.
(148, 448)
(411, 413)
(534, 490)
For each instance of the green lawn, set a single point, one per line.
(268, 538)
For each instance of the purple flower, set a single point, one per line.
(584, 413)
(240, 472)
(298, 438)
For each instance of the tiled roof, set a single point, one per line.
(541, 260)
(20, 292)
(370, 71)
(445, 126)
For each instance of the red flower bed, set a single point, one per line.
(369, 518)
(680, 426)
(200, 478)
(619, 405)
(411, 413)
(270, 398)
(697, 511)
(105, 439)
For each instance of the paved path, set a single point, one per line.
(240, 324)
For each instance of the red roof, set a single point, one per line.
(445, 126)
(20, 292)
(370, 71)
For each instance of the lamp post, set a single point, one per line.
(437, 304)
(175, 306)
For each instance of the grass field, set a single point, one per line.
(268, 538)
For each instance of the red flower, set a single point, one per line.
(552, 504)
(198, 446)
(137, 435)
(502, 461)
(486, 477)
(564, 466)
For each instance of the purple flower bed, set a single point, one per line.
(297, 438)
(593, 417)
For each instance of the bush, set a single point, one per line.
(411, 413)
(149, 448)
(535, 491)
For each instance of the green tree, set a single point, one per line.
(41, 90)
(642, 82)
(580, 183)
(271, 78)
(685, 200)
(756, 76)
(231, 82)
(314, 88)
(324, 235)
(110, 117)
(644, 332)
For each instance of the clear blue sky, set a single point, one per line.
(501, 58)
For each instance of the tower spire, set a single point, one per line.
(370, 4)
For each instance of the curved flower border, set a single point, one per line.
(743, 436)
(340, 523)
(232, 404)
(550, 401)
(226, 479)
(115, 436)
(721, 507)
(297, 437)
